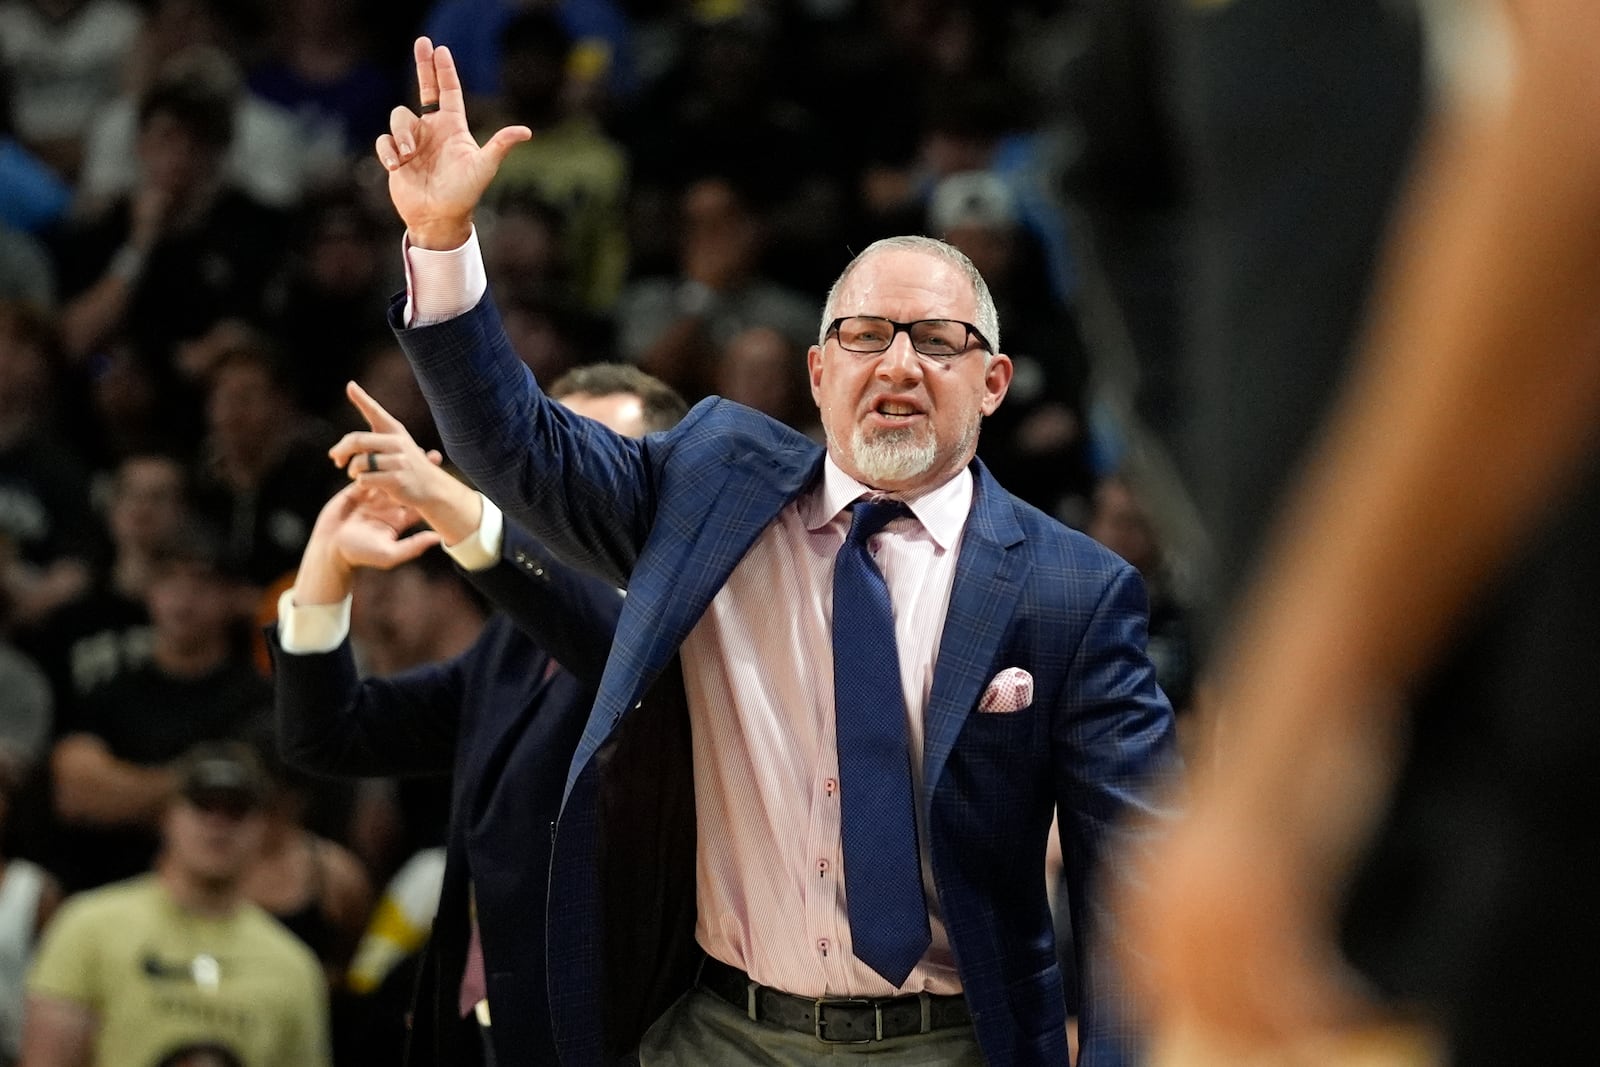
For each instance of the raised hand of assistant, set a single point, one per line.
(356, 528)
(386, 460)
(437, 170)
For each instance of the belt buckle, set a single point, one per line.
(823, 1003)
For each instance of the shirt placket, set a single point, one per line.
(826, 933)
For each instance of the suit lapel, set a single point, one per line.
(757, 488)
(667, 598)
(989, 578)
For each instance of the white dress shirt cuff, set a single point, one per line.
(310, 628)
(480, 550)
(442, 285)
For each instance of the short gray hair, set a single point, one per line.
(988, 319)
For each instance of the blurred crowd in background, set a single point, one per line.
(197, 252)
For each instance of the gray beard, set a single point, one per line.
(893, 455)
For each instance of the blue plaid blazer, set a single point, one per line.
(669, 516)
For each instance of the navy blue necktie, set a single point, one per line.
(882, 871)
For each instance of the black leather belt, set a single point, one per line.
(834, 1020)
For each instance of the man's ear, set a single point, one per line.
(814, 372)
(996, 380)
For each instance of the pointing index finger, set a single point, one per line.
(379, 419)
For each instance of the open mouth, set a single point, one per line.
(896, 412)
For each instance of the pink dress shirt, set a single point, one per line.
(758, 669)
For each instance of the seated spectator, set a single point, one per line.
(1036, 444)
(65, 57)
(48, 535)
(738, 67)
(762, 369)
(525, 248)
(185, 248)
(315, 887)
(386, 375)
(131, 415)
(320, 69)
(1121, 522)
(113, 766)
(672, 327)
(265, 472)
(269, 157)
(474, 31)
(570, 163)
(106, 632)
(162, 967)
(330, 304)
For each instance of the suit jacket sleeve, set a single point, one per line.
(1114, 742)
(578, 487)
(332, 722)
(569, 614)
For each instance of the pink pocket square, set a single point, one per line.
(1011, 690)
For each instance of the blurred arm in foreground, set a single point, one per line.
(1472, 406)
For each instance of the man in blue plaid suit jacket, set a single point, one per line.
(672, 516)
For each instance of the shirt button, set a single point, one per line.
(822, 866)
(830, 786)
(822, 946)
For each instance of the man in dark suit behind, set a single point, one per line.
(504, 716)
(869, 840)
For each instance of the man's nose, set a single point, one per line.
(900, 362)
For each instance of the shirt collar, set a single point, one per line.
(942, 510)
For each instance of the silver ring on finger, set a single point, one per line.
(372, 462)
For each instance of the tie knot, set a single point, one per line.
(867, 517)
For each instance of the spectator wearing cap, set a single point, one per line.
(1037, 442)
(163, 963)
(113, 766)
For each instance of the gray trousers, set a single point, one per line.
(702, 1029)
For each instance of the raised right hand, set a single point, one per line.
(437, 171)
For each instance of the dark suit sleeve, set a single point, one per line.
(332, 722)
(581, 489)
(1114, 741)
(571, 615)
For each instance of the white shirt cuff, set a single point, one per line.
(443, 285)
(480, 550)
(310, 628)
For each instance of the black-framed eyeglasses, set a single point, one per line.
(942, 340)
